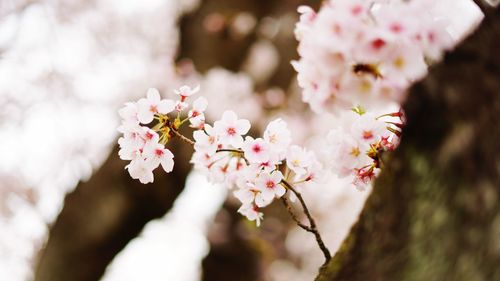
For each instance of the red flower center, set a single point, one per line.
(159, 152)
(270, 184)
(256, 148)
(367, 135)
(378, 44)
(231, 131)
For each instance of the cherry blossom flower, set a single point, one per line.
(251, 212)
(206, 140)
(129, 149)
(345, 152)
(298, 159)
(368, 129)
(252, 165)
(129, 113)
(196, 116)
(256, 150)
(315, 173)
(269, 185)
(140, 169)
(186, 91)
(229, 129)
(157, 154)
(153, 104)
(181, 106)
(245, 195)
(278, 136)
(202, 161)
(364, 177)
(348, 48)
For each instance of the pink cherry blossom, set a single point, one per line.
(140, 169)
(278, 136)
(153, 104)
(186, 91)
(206, 140)
(345, 152)
(128, 113)
(367, 129)
(348, 48)
(251, 212)
(199, 106)
(181, 106)
(269, 185)
(298, 159)
(202, 161)
(315, 173)
(245, 195)
(196, 115)
(130, 149)
(256, 150)
(157, 154)
(229, 129)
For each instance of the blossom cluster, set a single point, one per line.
(258, 168)
(365, 52)
(354, 54)
(143, 143)
(355, 148)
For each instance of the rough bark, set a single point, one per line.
(102, 215)
(434, 213)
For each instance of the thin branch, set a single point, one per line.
(183, 138)
(292, 214)
(313, 227)
(230, 150)
(238, 151)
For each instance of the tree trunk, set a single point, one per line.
(102, 215)
(434, 213)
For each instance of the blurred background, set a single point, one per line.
(69, 210)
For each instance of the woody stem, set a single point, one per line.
(312, 228)
(183, 138)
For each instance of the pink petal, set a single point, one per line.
(166, 106)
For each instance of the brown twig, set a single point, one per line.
(292, 214)
(183, 138)
(313, 228)
(229, 150)
(238, 151)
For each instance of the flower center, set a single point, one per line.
(273, 139)
(231, 131)
(256, 148)
(378, 43)
(159, 152)
(367, 135)
(355, 152)
(270, 184)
